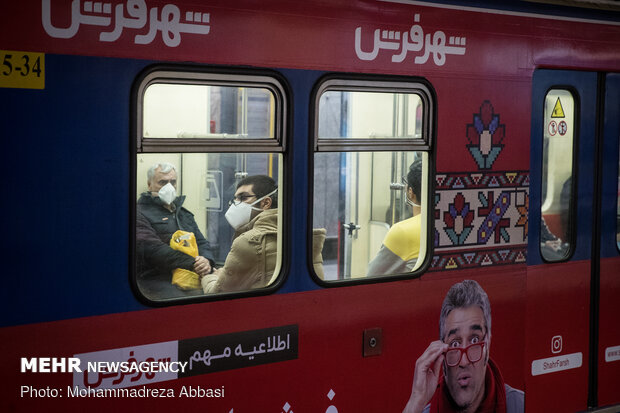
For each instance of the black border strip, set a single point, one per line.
(595, 259)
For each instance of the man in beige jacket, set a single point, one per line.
(252, 258)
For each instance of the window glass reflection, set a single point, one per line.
(207, 111)
(189, 240)
(373, 215)
(369, 115)
(557, 175)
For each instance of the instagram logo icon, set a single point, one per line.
(556, 344)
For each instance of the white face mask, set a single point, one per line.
(238, 214)
(167, 193)
(241, 213)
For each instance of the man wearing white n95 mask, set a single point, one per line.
(159, 215)
(252, 258)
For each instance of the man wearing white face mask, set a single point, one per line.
(401, 246)
(252, 258)
(159, 215)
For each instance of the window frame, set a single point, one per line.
(381, 85)
(219, 76)
(271, 81)
(386, 84)
(572, 207)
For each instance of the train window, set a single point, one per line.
(371, 168)
(208, 180)
(375, 122)
(557, 226)
(190, 102)
(210, 111)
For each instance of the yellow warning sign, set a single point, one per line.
(558, 111)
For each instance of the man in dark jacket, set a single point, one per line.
(159, 215)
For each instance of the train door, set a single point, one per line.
(609, 300)
(565, 240)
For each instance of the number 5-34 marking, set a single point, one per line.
(22, 69)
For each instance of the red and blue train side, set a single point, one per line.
(67, 244)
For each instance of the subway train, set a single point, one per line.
(507, 115)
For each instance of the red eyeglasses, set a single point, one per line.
(473, 353)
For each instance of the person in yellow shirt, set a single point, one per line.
(400, 249)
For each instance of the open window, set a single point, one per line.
(201, 138)
(371, 178)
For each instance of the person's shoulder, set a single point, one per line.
(513, 392)
(144, 200)
(402, 229)
(269, 214)
(266, 221)
(147, 209)
(413, 222)
(397, 229)
(182, 210)
(515, 400)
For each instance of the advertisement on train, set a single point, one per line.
(322, 206)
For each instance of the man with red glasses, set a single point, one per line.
(471, 382)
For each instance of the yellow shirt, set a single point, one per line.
(400, 249)
(404, 238)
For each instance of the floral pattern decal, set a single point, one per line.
(523, 210)
(458, 220)
(485, 136)
(481, 213)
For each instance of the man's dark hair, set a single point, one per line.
(262, 185)
(414, 178)
(462, 295)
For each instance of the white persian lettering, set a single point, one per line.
(272, 344)
(132, 15)
(414, 40)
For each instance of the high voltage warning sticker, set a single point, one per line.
(558, 111)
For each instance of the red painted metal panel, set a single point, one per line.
(557, 322)
(294, 34)
(331, 324)
(530, 313)
(609, 333)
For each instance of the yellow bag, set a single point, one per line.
(185, 242)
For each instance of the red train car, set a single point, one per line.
(507, 113)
